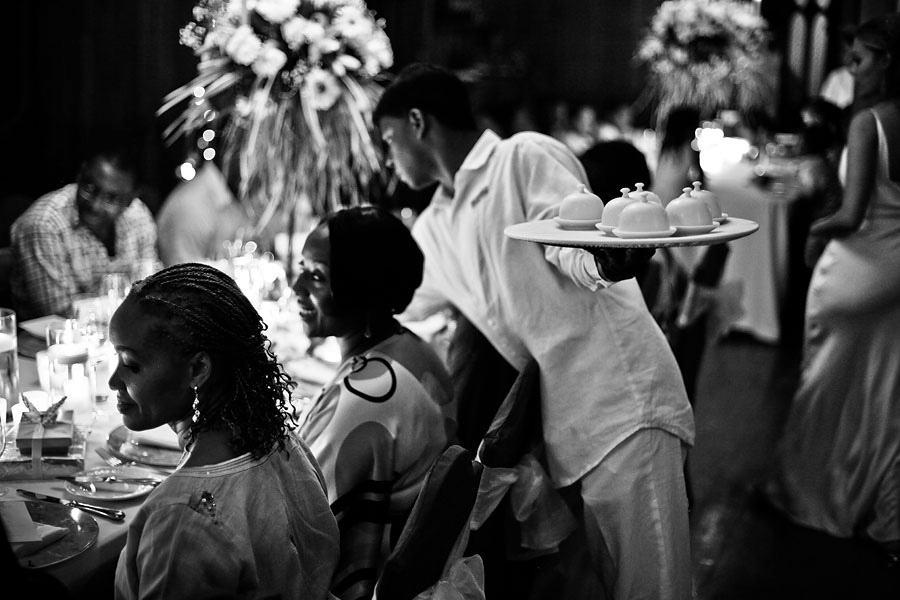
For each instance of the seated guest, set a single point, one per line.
(198, 216)
(245, 515)
(69, 238)
(388, 413)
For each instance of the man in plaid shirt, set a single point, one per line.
(69, 238)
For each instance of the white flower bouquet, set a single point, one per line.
(290, 84)
(710, 54)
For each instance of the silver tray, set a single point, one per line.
(549, 233)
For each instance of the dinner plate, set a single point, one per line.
(547, 232)
(83, 530)
(121, 444)
(576, 223)
(123, 491)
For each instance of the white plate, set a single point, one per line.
(605, 228)
(576, 223)
(643, 235)
(694, 229)
(121, 444)
(127, 491)
(38, 327)
(547, 232)
(721, 219)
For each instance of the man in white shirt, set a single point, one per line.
(616, 419)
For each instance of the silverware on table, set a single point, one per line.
(109, 513)
(109, 482)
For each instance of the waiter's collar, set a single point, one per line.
(481, 151)
(476, 159)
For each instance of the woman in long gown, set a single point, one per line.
(839, 460)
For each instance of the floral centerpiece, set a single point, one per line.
(710, 54)
(287, 88)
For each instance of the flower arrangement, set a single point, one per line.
(710, 54)
(290, 84)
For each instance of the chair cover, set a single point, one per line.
(439, 517)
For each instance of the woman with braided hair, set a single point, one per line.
(245, 514)
(388, 413)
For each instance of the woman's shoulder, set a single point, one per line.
(401, 363)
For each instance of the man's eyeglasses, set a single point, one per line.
(108, 199)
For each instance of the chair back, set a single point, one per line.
(438, 518)
(6, 261)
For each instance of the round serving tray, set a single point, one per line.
(549, 233)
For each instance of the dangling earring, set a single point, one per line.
(196, 406)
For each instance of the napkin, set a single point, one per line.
(38, 327)
(26, 536)
(48, 534)
(161, 437)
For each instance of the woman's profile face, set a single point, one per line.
(320, 314)
(868, 67)
(151, 379)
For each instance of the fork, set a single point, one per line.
(109, 458)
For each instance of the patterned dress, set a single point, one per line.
(375, 430)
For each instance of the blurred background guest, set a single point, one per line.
(245, 514)
(69, 238)
(678, 162)
(389, 412)
(613, 164)
(817, 174)
(199, 215)
(838, 85)
(839, 459)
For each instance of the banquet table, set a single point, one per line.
(759, 266)
(91, 571)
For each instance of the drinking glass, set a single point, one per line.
(3, 489)
(70, 373)
(114, 287)
(9, 361)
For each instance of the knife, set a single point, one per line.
(110, 480)
(109, 513)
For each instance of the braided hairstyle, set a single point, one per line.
(200, 308)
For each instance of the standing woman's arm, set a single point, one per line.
(862, 161)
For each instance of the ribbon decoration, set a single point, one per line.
(544, 517)
(46, 417)
(463, 581)
(40, 419)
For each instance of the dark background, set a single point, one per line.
(78, 70)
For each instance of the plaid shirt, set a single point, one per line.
(55, 257)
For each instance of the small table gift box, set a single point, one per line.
(46, 445)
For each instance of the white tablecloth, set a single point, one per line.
(758, 264)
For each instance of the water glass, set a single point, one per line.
(9, 360)
(3, 489)
(71, 376)
(114, 287)
(63, 331)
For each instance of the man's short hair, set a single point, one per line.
(431, 89)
